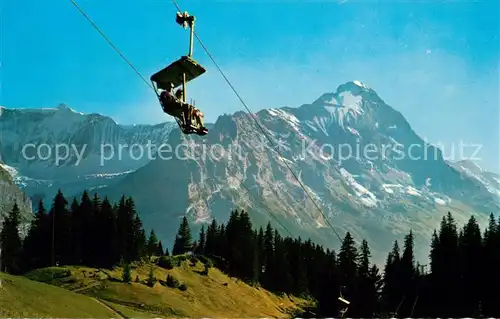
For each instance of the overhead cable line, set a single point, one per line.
(111, 43)
(259, 125)
(227, 80)
(260, 204)
(149, 84)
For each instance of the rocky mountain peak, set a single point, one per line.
(371, 193)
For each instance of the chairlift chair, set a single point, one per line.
(180, 72)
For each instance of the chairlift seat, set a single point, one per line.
(174, 73)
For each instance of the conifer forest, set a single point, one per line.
(461, 278)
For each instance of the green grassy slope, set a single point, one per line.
(21, 297)
(213, 295)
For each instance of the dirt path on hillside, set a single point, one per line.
(86, 287)
(115, 311)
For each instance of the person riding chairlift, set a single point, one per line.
(173, 105)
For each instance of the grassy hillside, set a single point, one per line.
(21, 297)
(212, 295)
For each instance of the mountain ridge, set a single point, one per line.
(211, 185)
(364, 195)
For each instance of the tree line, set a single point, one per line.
(92, 232)
(461, 279)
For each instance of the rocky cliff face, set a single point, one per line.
(355, 156)
(489, 179)
(61, 148)
(10, 194)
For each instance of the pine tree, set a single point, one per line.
(10, 242)
(491, 275)
(241, 253)
(323, 278)
(472, 265)
(376, 284)
(36, 246)
(61, 231)
(347, 260)
(76, 233)
(152, 245)
(183, 241)
(366, 296)
(140, 241)
(392, 292)
(298, 268)
(127, 277)
(234, 254)
(407, 275)
(269, 263)
(201, 241)
(151, 278)
(281, 273)
(256, 264)
(137, 236)
(448, 274)
(84, 222)
(261, 252)
(434, 252)
(211, 238)
(108, 245)
(124, 221)
(222, 247)
(94, 247)
(160, 251)
(250, 271)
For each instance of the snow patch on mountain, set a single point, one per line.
(210, 186)
(95, 150)
(311, 126)
(491, 181)
(389, 187)
(107, 175)
(428, 182)
(353, 131)
(365, 196)
(318, 123)
(351, 103)
(287, 117)
(9, 169)
(413, 191)
(344, 106)
(358, 83)
(439, 201)
(19, 179)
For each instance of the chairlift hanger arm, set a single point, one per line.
(185, 20)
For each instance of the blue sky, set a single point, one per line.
(437, 62)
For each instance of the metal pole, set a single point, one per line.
(184, 98)
(184, 87)
(191, 38)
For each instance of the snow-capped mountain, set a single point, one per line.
(60, 148)
(356, 156)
